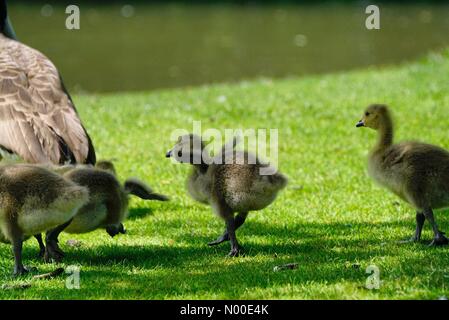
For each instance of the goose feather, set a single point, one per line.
(38, 120)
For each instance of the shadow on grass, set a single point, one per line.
(149, 210)
(139, 213)
(325, 253)
(325, 234)
(315, 238)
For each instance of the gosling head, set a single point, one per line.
(106, 166)
(188, 149)
(374, 116)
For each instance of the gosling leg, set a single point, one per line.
(19, 269)
(235, 249)
(439, 238)
(238, 221)
(420, 218)
(41, 245)
(53, 251)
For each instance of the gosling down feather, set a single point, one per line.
(32, 200)
(38, 120)
(416, 172)
(235, 186)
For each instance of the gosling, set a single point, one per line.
(108, 199)
(232, 187)
(416, 172)
(33, 200)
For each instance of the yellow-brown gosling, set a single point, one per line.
(416, 172)
(107, 166)
(107, 207)
(229, 188)
(33, 200)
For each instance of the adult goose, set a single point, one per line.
(38, 120)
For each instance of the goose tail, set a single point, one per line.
(278, 180)
(142, 190)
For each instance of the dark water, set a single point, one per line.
(157, 46)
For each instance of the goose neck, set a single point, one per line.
(385, 134)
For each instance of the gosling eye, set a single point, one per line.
(367, 114)
(179, 153)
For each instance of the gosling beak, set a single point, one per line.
(169, 154)
(360, 124)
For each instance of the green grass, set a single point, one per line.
(329, 220)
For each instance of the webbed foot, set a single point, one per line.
(413, 239)
(439, 240)
(22, 270)
(53, 253)
(223, 238)
(235, 252)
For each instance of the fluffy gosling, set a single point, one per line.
(416, 172)
(229, 188)
(108, 199)
(33, 200)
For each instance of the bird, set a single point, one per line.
(230, 187)
(107, 206)
(38, 119)
(416, 172)
(34, 199)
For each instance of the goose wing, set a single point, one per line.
(37, 118)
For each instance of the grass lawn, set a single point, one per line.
(331, 219)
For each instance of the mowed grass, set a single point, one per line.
(332, 219)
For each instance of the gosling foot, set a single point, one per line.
(223, 238)
(22, 270)
(413, 239)
(439, 240)
(53, 253)
(235, 252)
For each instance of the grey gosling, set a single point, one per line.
(34, 200)
(416, 172)
(233, 187)
(108, 199)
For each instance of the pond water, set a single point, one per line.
(145, 47)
